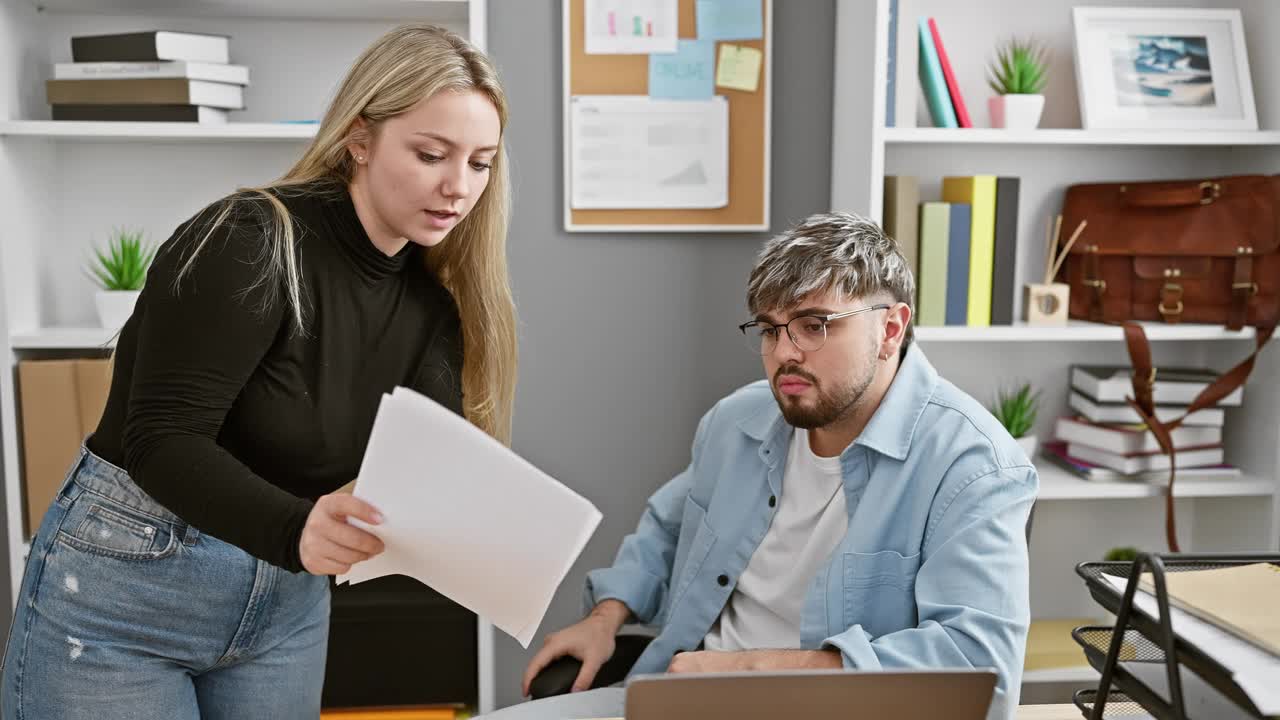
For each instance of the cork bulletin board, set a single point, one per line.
(747, 208)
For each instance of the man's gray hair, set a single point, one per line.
(835, 251)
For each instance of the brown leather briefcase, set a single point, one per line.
(1199, 251)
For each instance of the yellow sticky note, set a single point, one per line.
(739, 67)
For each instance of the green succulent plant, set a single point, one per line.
(123, 264)
(1020, 68)
(1127, 554)
(1016, 409)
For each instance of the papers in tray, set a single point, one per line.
(1256, 671)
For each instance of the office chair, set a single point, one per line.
(557, 678)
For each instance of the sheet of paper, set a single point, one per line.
(632, 151)
(1256, 671)
(466, 515)
(729, 19)
(739, 67)
(629, 27)
(687, 74)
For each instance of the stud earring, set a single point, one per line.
(359, 158)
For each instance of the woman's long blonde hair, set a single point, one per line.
(403, 67)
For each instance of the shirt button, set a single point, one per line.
(723, 580)
(773, 500)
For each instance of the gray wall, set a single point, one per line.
(626, 339)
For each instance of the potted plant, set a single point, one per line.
(1016, 410)
(120, 270)
(1017, 75)
(1123, 553)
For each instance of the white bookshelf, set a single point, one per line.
(443, 11)
(1077, 331)
(1057, 483)
(1076, 520)
(65, 185)
(1137, 138)
(155, 131)
(63, 338)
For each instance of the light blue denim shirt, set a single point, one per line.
(932, 571)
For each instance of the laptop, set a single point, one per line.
(813, 695)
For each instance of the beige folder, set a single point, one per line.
(1241, 599)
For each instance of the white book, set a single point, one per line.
(1173, 386)
(211, 116)
(191, 46)
(144, 91)
(1134, 464)
(1122, 413)
(1130, 439)
(1056, 452)
(215, 94)
(213, 72)
(151, 45)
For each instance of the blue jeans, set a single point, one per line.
(126, 611)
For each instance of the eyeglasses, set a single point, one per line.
(807, 332)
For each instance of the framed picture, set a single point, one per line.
(1151, 68)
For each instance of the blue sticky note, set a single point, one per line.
(687, 74)
(729, 20)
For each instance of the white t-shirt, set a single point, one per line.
(811, 519)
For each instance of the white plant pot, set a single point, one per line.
(115, 307)
(1029, 443)
(1015, 112)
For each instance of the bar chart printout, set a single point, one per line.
(629, 27)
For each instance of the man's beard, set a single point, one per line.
(830, 407)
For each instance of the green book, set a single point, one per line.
(935, 237)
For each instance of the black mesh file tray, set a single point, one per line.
(1118, 705)
(1142, 661)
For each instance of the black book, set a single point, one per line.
(151, 45)
(1005, 259)
(141, 113)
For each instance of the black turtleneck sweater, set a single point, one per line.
(222, 412)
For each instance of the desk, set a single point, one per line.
(1048, 712)
(607, 704)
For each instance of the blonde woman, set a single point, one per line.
(179, 572)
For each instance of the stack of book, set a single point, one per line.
(963, 250)
(1106, 439)
(156, 75)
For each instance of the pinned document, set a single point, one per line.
(729, 19)
(739, 68)
(632, 151)
(630, 27)
(466, 515)
(687, 74)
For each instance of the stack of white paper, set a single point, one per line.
(1256, 671)
(467, 516)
